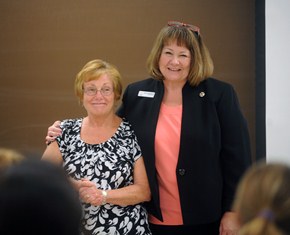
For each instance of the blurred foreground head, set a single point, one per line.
(263, 200)
(37, 198)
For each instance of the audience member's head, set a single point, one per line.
(263, 200)
(9, 157)
(37, 198)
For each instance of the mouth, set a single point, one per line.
(98, 104)
(174, 69)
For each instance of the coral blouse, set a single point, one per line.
(167, 142)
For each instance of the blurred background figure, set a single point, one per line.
(9, 157)
(37, 198)
(263, 200)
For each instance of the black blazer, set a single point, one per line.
(214, 145)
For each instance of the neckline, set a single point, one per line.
(101, 143)
(171, 106)
(168, 109)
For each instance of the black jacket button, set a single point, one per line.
(181, 172)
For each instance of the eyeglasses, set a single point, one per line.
(105, 91)
(193, 28)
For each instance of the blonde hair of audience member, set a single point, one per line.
(9, 157)
(263, 200)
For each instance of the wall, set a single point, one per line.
(43, 44)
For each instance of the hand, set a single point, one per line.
(53, 132)
(89, 193)
(229, 224)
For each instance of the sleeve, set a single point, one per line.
(235, 141)
(136, 148)
(63, 138)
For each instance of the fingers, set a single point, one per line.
(89, 193)
(49, 140)
(95, 200)
(55, 126)
(87, 183)
(86, 188)
(93, 197)
(53, 132)
(56, 123)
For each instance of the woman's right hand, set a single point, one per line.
(53, 132)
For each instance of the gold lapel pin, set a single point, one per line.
(201, 94)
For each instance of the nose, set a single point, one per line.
(175, 60)
(98, 94)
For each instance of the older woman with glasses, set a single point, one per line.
(192, 133)
(101, 154)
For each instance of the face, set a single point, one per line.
(174, 62)
(102, 102)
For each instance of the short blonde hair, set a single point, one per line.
(201, 62)
(92, 71)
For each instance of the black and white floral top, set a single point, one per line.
(110, 165)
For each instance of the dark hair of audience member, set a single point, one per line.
(36, 197)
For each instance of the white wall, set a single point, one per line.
(278, 80)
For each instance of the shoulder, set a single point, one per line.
(216, 89)
(126, 126)
(215, 84)
(146, 83)
(67, 124)
(126, 129)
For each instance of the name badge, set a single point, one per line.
(148, 94)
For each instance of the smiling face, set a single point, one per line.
(174, 62)
(99, 104)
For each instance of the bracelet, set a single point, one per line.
(104, 197)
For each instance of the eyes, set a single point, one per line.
(171, 53)
(105, 91)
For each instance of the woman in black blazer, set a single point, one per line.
(214, 148)
(192, 133)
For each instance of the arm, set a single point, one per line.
(130, 195)
(235, 155)
(53, 154)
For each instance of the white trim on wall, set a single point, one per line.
(277, 23)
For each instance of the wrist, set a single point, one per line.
(104, 197)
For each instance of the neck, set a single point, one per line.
(102, 121)
(174, 85)
(173, 93)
